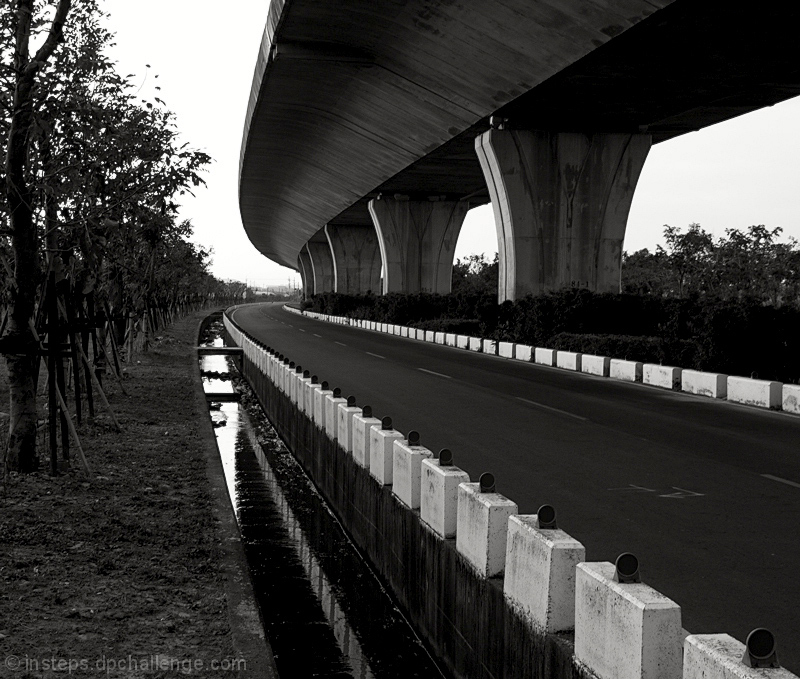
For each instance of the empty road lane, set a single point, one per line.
(705, 493)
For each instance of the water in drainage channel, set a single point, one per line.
(325, 613)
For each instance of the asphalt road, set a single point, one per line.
(705, 493)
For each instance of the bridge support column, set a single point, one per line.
(561, 202)
(356, 258)
(306, 273)
(418, 241)
(319, 251)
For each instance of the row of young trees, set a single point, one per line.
(752, 265)
(91, 180)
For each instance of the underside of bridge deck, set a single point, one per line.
(355, 99)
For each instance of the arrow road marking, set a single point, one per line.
(780, 480)
(682, 493)
(639, 488)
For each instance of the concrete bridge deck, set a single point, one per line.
(356, 99)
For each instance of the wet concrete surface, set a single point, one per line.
(325, 613)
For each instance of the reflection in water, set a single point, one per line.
(219, 365)
(331, 605)
(325, 613)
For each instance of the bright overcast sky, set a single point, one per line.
(742, 172)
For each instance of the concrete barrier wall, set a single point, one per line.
(496, 601)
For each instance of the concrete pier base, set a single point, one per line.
(561, 202)
(418, 241)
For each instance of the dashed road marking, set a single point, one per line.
(316, 335)
(780, 480)
(555, 410)
(301, 329)
(341, 344)
(376, 355)
(432, 372)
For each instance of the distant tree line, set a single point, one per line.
(750, 265)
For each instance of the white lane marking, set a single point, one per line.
(431, 372)
(780, 480)
(316, 335)
(342, 344)
(301, 329)
(555, 410)
(376, 355)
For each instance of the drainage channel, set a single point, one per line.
(325, 613)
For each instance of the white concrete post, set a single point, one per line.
(719, 656)
(407, 470)
(482, 528)
(628, 371)
(791, 398)
(595, 365)
(361, 435)
(625, 631)
(523, 352)
(320, 398)
(761, 393)
(332, 404)
(540, 573)
(505, 349)
(544, 356)
(438, 506)
(306, 403)
(713, 385)
(302, 393)
(665, 376)
(345, 427)
(569, 360)
(381, 451)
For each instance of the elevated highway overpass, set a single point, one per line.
(373, 126)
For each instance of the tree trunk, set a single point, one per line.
(19, 345)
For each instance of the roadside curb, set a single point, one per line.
(247, 627)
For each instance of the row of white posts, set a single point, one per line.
(623, 628)
(747, 390)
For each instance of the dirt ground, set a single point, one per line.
(118, 575)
